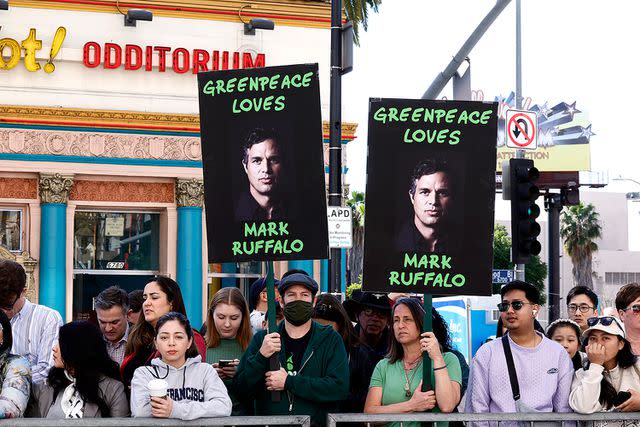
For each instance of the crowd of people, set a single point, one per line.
(144, 359)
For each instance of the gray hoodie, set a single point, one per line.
(195, 389)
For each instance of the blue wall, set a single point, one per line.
(189, 261)
(53, 239)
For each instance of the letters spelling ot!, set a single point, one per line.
(30, 45)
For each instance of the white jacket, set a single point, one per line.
(585, 389)
(196, 390)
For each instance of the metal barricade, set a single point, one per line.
(272, 420)
(494, 419)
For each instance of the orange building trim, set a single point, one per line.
(18, 188)
(117, 191)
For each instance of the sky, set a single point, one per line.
(572, 50)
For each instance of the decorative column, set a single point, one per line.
(54, 193)
(189, 198)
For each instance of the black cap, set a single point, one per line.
(531, 292)
(297, 279)
(360, 300)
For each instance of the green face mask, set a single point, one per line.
(298, 312)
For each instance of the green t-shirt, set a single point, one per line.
(226, 350)
(390, 376)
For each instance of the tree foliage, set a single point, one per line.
(535, 271)
(579, 228)
(358, 13)
(356, 253)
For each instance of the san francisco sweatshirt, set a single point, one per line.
(195, 389)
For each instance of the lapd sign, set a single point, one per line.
(430, 197)
(340, 227)
(262, 155)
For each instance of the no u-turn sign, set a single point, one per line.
(521, 128)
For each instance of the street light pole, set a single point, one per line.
(335, 138)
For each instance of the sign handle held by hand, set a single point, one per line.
(427, 327)
(274, 363)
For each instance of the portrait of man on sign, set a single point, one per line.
(263, 162)
(433, 195)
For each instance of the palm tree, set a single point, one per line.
(356, 253)
(579, 228)
(358, 13)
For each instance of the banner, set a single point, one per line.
(261, 133)
(430, 196)
(454, 313)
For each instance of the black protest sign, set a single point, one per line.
(262, 156)
(430, 196)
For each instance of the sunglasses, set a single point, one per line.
(635, 308)
(517, 305)
(604, 321)
(10, 306)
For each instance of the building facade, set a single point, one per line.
(100, 157)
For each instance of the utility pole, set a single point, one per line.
(519, 153)
(335, 138)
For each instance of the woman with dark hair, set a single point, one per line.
(612, 376)
(160, 296)
(177, 384)
(329, 311)
(228, 336)
(396, 384)
(566, 332)
(15, 375)
(84, 382)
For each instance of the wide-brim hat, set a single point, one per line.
(614, 328)
(360, 300)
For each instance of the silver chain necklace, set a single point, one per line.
(407, 383)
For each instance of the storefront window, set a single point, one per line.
(116, 241)
(240, 275)
(11, 229)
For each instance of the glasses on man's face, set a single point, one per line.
(584, 308)
(635, 308)
(517, 305)
(604, 321)
(10, 306)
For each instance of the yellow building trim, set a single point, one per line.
(310, 14)
(132, 119)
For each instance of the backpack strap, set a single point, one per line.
(513, 378)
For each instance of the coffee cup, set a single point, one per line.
(158, 388)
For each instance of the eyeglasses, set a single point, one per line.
(604, 321)
(584, 308)
(517, 305)
(10, 307)
(635, 308)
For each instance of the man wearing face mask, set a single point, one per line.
(314, 369)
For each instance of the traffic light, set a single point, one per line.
(523, 194)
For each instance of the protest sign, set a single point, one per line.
(430, 197)
(262, 156)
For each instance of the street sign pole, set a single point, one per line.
(335, 137)
(519, 153)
